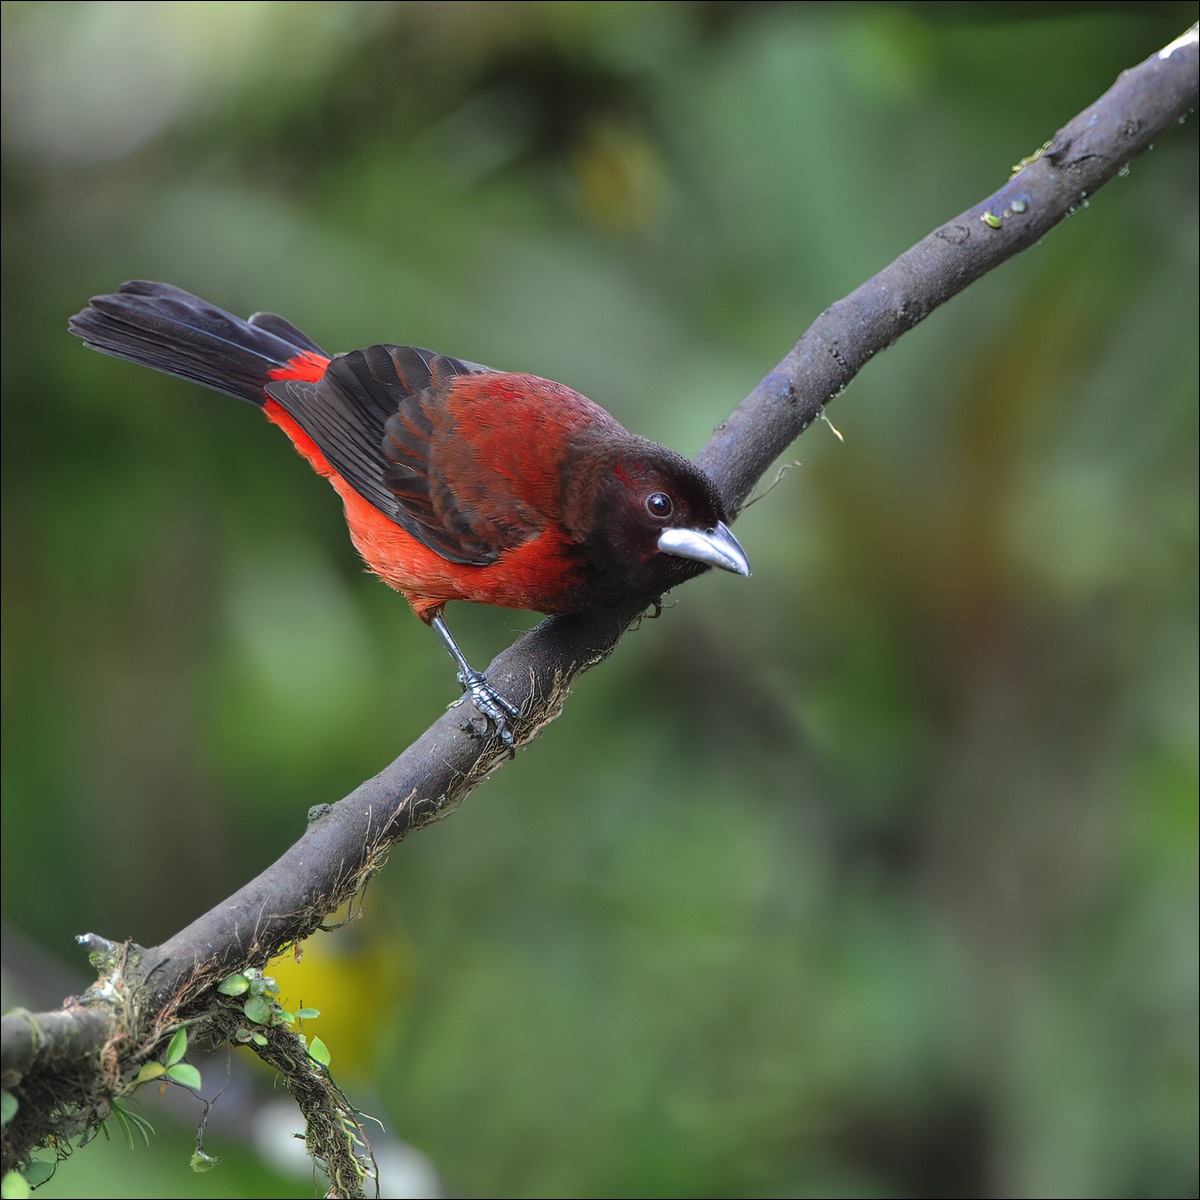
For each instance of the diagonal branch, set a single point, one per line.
(1078, 160)
(346, 842)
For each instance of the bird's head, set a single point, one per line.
(648, 519)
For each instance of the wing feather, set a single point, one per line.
(383, 420)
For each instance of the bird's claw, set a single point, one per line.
(491, 705)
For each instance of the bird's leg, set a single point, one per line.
(485, 697)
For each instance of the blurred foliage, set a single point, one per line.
(872, 875)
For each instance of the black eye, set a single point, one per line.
(659, 506)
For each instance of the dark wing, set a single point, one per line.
(381, 417)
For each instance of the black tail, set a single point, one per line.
(167, 329)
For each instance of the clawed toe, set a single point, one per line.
(492, 705)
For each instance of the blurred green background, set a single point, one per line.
(874, 875)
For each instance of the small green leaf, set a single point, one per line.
(177, 1049)
(14, 1186)
(38, 1171)
(257, 1010)
(131, 1121)
(8, 1107)
(319, 1051)
(258, 1039)
(186, 1075)
(149, 1071)
(203, 1162)
(308, 1014)
(235, 985)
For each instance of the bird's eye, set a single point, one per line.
(659, 506)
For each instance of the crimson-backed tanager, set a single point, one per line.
(458, 482)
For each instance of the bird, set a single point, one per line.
(458, 482)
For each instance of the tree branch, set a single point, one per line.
(117, 1024)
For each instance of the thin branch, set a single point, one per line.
(1144, 103)
(345, 842)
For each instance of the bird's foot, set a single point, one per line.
(486, 699)
(491, 704)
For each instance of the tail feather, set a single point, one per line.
(168, 329)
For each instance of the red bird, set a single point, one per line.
(458, 482)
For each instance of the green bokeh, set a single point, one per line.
(872, 875)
